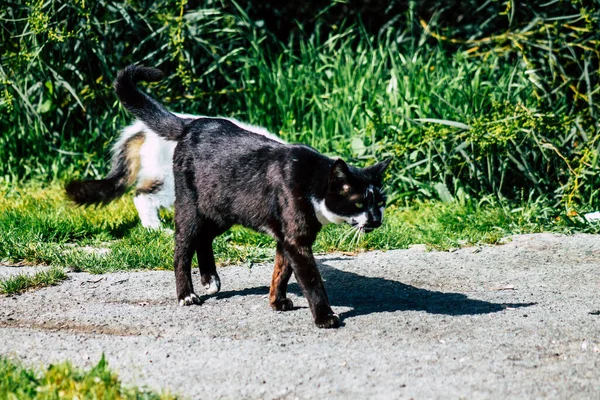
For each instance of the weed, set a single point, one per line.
(65, 381)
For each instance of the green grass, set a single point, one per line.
(455, 125)
(63, 381)
(39, 226)
(21, 282)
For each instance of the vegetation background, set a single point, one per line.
(473, 99)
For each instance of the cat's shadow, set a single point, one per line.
(368, 295)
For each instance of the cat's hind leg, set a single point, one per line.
(151, 196)
(155, 183)
(183, 273)
(281, 275)
(206, 259)
(148, 210)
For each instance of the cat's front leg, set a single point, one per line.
(308, 276)
(279, 282)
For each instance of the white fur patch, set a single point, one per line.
(326, 216)
(213, 286)
(147, 210)
(156, 164)
(361, 219)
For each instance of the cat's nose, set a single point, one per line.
(373, 224)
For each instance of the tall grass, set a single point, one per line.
(502, 104)
(457, 126)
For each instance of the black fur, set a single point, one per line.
(225, 175)
(90, 192)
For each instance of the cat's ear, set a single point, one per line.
(339, 171)
(377, 170)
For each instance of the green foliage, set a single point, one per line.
(555, 41)
(65, 381)
(471, 99)
(452, 123)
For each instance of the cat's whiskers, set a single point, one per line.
(358, 230)
(356, 236)
(346, 236)
(360, 237)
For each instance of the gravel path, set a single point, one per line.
(520, 320)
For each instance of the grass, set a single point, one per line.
(19, 283)
(453, 124)
(65, 381)
(39, 226)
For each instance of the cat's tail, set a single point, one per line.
(145, 108)
(123, 174)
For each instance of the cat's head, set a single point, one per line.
(354, 196)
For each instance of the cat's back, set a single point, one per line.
(223, 147)
(215, 133)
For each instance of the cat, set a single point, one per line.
(143, 157)
(225, 175)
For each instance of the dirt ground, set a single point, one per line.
(520, 320)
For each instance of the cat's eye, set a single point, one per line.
(381, 203)
(359, 205)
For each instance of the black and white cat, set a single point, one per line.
(225, 174)
(142, 157)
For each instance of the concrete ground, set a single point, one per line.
(520, 320)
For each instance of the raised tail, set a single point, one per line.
(123, 174)
(145, 108)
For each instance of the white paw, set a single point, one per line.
(213, 286)
(189, 300)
